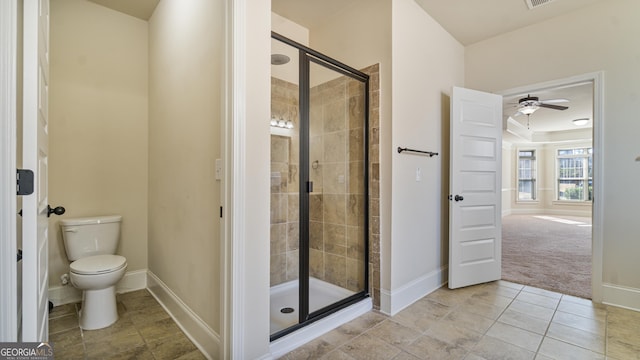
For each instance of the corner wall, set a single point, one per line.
(427, 63)
(98, 128)
(186, 54)
(599, 37)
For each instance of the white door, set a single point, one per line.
(35, 302)
(475, 188)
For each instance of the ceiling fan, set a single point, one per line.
(530, 104)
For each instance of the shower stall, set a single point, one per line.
(319, 186)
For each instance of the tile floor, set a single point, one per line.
(498, 320)
(143, 331)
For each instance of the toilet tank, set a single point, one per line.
(90, 236)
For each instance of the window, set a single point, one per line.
(575, 174)
(526, 175)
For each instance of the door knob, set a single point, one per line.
(458, 198)
(58, 210)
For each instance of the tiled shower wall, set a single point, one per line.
(336, 206)
(285, 157)
(337, 202)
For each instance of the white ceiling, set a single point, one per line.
(142, 9)
(470, 21)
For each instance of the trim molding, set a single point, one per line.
(233, 322)
(300, 337)
(597, 78)
(205, 339)
(550, 212)
(67, 294)
(8, 270)
(392, 302)
(621, 296)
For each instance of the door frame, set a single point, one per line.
(597, 78)
(8, 76)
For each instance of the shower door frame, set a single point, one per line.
(307, 56)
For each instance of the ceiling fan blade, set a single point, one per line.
(554, 101)
(554, 107)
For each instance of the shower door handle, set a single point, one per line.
(309, 186)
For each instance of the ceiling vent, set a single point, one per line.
(532, 4)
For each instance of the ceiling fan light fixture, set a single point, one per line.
(531, 4)
(528, 110)
(580, 122)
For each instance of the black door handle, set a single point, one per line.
(58, 210)
(458, 198)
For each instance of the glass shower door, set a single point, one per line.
(337, 197)
(319, 187)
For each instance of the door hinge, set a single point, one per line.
(24, 182)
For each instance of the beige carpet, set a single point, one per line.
(548, 252)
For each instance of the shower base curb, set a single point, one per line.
(298, 338)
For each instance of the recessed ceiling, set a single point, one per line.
(545, 120)
(142, 9)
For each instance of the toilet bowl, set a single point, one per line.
(97, 277)
(90, 244)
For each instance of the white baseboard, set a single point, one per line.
(67, 294)
(292, 341)
(620, 296)
(132, 281)
(550, 212)
(205, 339)
(392, 302)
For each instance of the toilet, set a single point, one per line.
(91, 243)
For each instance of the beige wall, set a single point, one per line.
(599, 37)
(427, 63)
(186, 43)
(98, 124)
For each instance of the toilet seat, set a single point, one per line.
(98, 264)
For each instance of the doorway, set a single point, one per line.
(551, 180)
(319, 186)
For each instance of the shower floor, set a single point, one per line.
(285, 295)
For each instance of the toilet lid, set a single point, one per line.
(98, 264)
